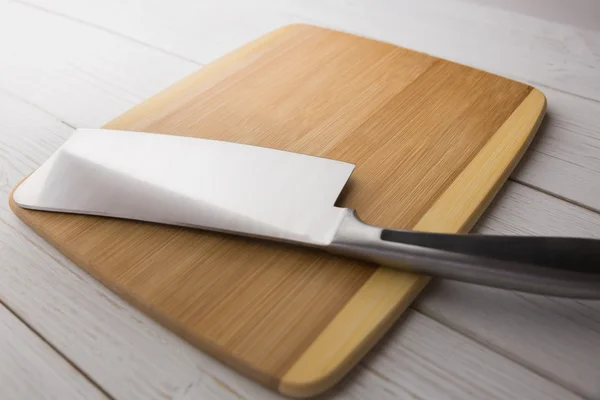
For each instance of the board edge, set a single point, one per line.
(380, 299)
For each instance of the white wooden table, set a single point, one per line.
(73, 63)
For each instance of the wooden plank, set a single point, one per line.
(64, 70)
(565, 158)
(559, 56)
(558, 337)
(30, 369)
(413, 363)
(198, 36)
(132, 357)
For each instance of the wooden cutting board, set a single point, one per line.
(433, 141)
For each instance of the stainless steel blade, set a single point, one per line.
(191, 182)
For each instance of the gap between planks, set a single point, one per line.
(19, 318)
(25, 351)
(103, 29)
(530, 366)
(556, 196)
(543, 85)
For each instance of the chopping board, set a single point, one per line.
(433, 142)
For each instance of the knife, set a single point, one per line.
(278, 195)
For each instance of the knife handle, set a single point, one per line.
(558, 266)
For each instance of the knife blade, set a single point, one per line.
(284, 196)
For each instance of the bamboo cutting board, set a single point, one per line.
(433, 141)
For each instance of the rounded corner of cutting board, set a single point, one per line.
(12, 204)
(288, 28)
(525, 120)
(352, 333)
(540, 101)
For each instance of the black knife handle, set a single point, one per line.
(572, 254)
(559, 266)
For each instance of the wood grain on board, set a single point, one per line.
(432, 140)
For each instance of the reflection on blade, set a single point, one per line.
(190, 182)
